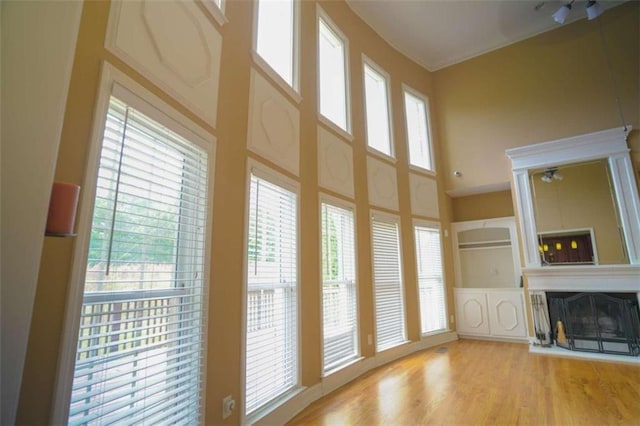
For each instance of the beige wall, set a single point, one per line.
(482, 206)
(548, 87)
(38, 44)
(225, 304)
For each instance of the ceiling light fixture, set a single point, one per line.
(561, 14)
(594, 9)
(550, 175)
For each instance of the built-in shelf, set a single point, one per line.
(56, 235)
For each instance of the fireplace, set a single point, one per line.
(595, 322)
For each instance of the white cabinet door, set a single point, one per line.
(471, 312)
(506, 313)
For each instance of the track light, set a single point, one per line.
(561, 14)
(593, 9)
(550, 175)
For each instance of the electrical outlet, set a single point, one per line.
(228, 404)
(452, 319)
(370, 339)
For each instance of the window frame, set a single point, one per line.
(348, 132)
(274, 177)
(422, 223)
(388, 218)
(158, 110)
(424, 98)
(324, 198)
(292, 90)
(215, 8)
(367, 62)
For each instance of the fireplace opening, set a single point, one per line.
(595, 322)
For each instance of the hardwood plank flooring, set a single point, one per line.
(484, 383)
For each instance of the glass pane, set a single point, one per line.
(417, 132)
(275, 36)
(377, 109)
(333, 92)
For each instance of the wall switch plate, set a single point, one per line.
(452, 319)
(369, 339)
(228, 404)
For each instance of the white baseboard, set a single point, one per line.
(496, 338)
(301, 400)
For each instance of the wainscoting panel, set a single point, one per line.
(383, 184)
(424, 196)
(174, 45)
(274, 125)
(335, 163)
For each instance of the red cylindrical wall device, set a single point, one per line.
(62, 208)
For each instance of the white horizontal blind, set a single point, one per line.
(433, 314)
(377, 110)
(272, 337)
(332, 74)
(390, 323)
(339, 297)
(417, 131)
(140, 343)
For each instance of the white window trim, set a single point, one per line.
(388, 217)
(348, 132)
(152, 107)
(292, 91)
(216, 12)
(433, 225)
(338, 202)
(392, 157)
(264, 172)
(425, 99)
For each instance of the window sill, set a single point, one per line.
(422, 170)
(330, 125)
(275, 77)
(381, 155)
(341, 367)
(272, 406)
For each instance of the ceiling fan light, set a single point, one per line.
(594, 9)
(561, 14)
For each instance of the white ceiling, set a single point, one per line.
(439, 33)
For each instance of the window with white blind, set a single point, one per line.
(272, 275)
(332, 74)
(339, 293)
(417, 121)
(140, 343)
(433, 314)
(387, 281)
(276, 37)
(378, 117)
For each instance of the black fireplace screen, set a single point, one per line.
(596, 322)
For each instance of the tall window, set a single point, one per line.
(377, 110)
(140, 348)
(272, 336)
(340, 322)
(387, 277)
(433, 314)
(275, 38)
(332, 75)
(415, 109)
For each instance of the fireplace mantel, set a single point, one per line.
(602, 278)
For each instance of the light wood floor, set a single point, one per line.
(478, 382)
